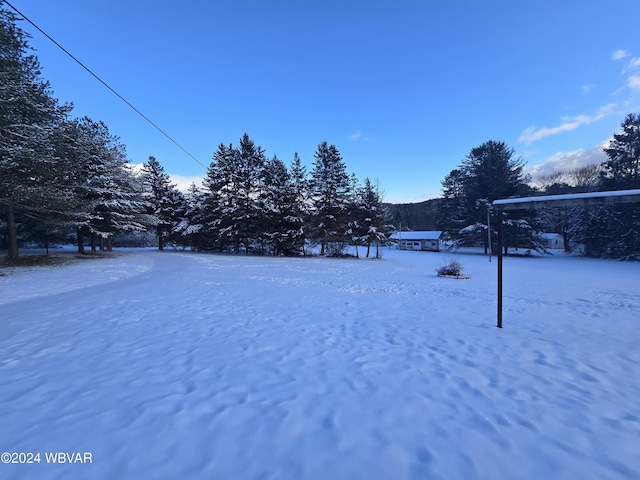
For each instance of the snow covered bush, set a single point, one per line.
(452, 269)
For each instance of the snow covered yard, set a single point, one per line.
(181, 365)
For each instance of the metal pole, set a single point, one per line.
(489, 230)
(500, 241)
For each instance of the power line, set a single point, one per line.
(106, 85)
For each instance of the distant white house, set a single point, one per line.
(552, 240)
(425, 241)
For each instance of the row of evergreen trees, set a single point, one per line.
(55, 171)
(491, 171)
(253, 204)
(62, 176)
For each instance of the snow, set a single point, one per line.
(172, 365)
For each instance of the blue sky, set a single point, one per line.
(404, 89)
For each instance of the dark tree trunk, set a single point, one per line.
(93, 243)
(160, 239)
(565, 235)
(12, 233)
(80, 241)
(368, 248)
(109, 244)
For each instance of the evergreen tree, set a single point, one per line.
(163, 199)
(50, 218)
(374, 217)
(614, 231)
(283, 226)
(28, 117)
(248, 218)
(330, 199)
(489, 172)
(233, 214)
(82, 147)
(112, 193)
(190, 213)
(452, 215)
(356, 216)
(219, 199)
(302, 205)
(622, 169)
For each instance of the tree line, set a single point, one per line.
(62, 176)
(491, 171)
(249, 203)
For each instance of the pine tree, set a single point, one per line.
(283, 225)
(330, 198)
(82, 147)
(375, 220)
(219, 199)
(248, 218)
(111, 192)
(45, 220)
(163, 199)
(29, 115)
(234, 185)
(614, 231)
(488, 173)
(452, 217)
(190, 224)
(622, 169)
(302, 205)
(356, 216)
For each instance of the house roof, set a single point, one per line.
(417, 235)
(550, 236)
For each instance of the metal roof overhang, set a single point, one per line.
(569, 200)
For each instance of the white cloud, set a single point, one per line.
(634, 63)
(587, 88)
(563, 161)
(619, 55)
(633, 83)
(357, 137)
(631, 66)
(533, 133)
(183, 183)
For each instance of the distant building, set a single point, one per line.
(552, 240)
(424, 241)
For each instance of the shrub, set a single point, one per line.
(452, 269)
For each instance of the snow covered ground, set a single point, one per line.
(193, 366)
